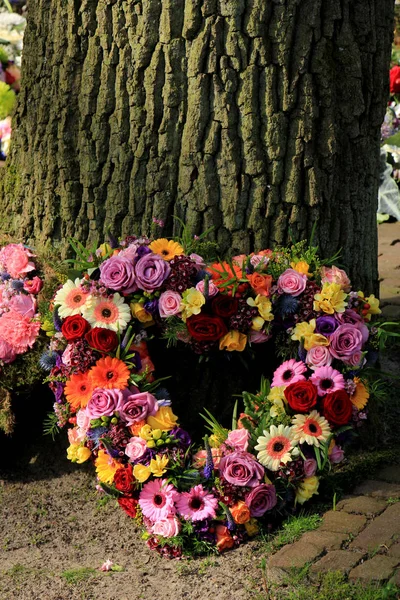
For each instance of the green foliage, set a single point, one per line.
(196, 244)
(291, 531)
(174, 327)
(7, 100)
(4, 58)
(50, 425)
(25, 371)
(74, 576)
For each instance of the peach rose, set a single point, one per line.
(261, 284)
(224, 538)
(166, 528)
(240, 513)
(201, 456)
(336, 275)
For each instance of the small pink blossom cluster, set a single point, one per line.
(19, 287)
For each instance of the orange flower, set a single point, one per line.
(240, 513)
(78, 390)
(261, 284)
(136, 427)
(222, 272)
(224, 538)
(109, 373)
(360, 396)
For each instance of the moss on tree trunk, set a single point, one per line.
(256, 117)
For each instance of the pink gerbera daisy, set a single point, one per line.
(157, 499)
(196, 505)
(289, 372)
(327, 380)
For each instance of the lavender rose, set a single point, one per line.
(169, 304)
(351, 317)
(241, 468)
(138, 407)
(151, 272)
(261, 499)
(345, 341)
(326, 325)
(291, 282)
(104, 403)
(118, 273)
(310, 467)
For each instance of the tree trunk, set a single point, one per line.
(256, 117)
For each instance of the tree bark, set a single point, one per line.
(256, 117)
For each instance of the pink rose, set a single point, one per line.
(166, 528)
(76, 435)
(259, 260)
(20, 332)
(291, 282)
(240, 260)
(104, 403)
(351, 317)
(169, 304)
(355, 360)
(335, 275)
(33, 286)
(138, 407)
(24, 305)
(261, 499)
(238, 439)
(83, 419)
(319, 356)
(212, 288)
(258, 337)
(7, 354)
(200, 458)
(136, 448)
(337, 455)
(310, 467)
(198, 260)
(15, 259)
(241, 468)
(345, 341)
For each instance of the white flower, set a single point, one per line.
(276, 447)
(71, 299)
(109, 313)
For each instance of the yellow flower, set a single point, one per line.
(192, 301)
(277, 409)
(331, 299)
(360, 396)
(305, 331)
(257, 323)
(158, 465)
(145, 432)
(141, 472)
(167, 249)
(277, 393)
(373, 308)
(140, 313)
(214, 441)
(264, 306)
(252, 527)
(301, 267)
(306, 489)
(83, 454)
(156, 434)
(233, 340)
(164, 419)
(72, 451)
(105, 250)
(106, 467)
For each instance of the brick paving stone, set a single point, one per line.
(381, 530)
(378, 489)
(294, 555)
(390, 473)
(325, 540)
(342, 522)
(337, 560)
(378, 568)
(394, 550)
(363, 505)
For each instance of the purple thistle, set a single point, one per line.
(5, 276)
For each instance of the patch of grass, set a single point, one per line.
(291, 531)
(74, 576)
(391, 501)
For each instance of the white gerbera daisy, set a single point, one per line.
(109, 313)
(71, 299)
(311, 429)
(276, 447)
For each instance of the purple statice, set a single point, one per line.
(151, 306)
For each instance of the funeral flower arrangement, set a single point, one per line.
(192, 500)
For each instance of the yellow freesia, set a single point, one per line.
(257, 323)
(264, 306)
(192, 301)
(306, 489)
(331, 299)
(141, 472)
(301, 267)
(158, 465)
(146, 432)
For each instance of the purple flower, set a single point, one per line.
(118, 273)
(326, 325)
(310, 467)
(351, 317)
(151, 272)
(345, 341)
(138, 407)
(181, 436)
(104, 403)
(241, 468)
(261, 499)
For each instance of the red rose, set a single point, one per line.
(204, 328)
(103, 340)
(301, 396)
(337, 408)
(395, 80)
(123, 480)
(224, 306)
(74, 327)
(129, 505)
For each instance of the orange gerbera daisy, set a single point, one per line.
(167, 249)
(360, 396)
(222, 272)
(109, 373)
(78, 390)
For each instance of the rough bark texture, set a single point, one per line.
(257, 117)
